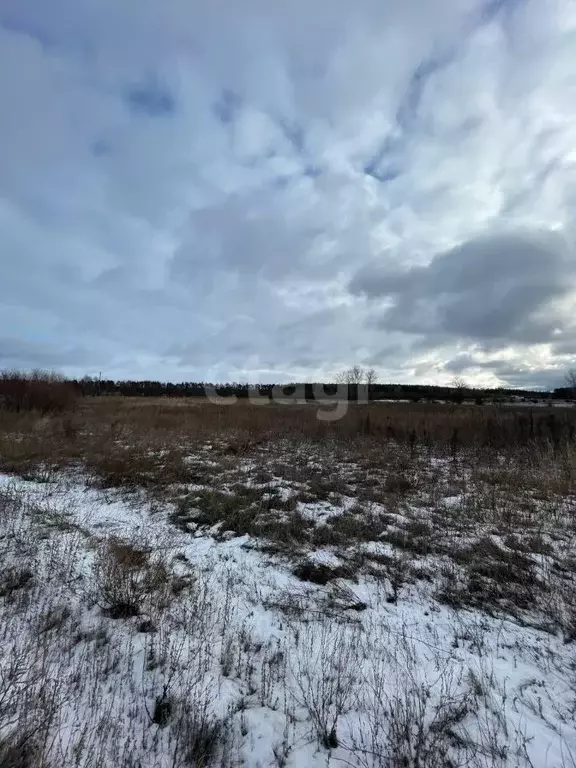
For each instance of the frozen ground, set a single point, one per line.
(137, 632)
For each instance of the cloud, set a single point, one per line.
(507, 298)
(264, 190)
(150, 98)
(16, 353)
(498, 287)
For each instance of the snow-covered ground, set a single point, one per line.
(227, 658)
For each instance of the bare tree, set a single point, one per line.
(459, 383)
(570, 379)
(461, 387)
(357, 375)
(371, 377)
(358, 381)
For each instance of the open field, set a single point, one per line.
(185, 584)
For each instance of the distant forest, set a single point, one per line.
(89, 386)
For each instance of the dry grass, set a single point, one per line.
(128, 442)
(373, 531)
(125, 579)
(489, 491)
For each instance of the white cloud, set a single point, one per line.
(187, 190)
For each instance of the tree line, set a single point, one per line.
(355, 383)
(46, 391)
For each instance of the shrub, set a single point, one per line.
(19, 753)
(40, 391)
(14, 578)
(325, 677)
(398, 484)
(319, 573)
(201, 735)
(125, 578)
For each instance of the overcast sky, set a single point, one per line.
(256, 190)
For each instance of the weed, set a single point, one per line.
(126, 579)
(319, 573)
(14, 578)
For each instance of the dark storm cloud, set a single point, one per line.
(495, 287)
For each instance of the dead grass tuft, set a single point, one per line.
(127, 579)
(320, 573)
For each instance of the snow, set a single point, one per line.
(253, 641)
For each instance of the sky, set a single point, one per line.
(263, 191)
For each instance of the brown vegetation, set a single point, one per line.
(384, 471)
(39, 391)
(109, 430)
(442, 507)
